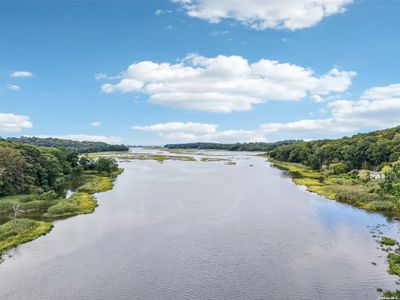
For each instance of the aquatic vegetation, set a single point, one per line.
(394, 263)
(96, 184)
(180, 151)
(213, 159)
(19, 231)
(391, 295)
(159, 157)
(79, 203)
(388, 241)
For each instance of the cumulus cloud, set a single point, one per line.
(14, 123)
(96, 124)
(179, 126)
(86, 138)
(263, 14)
(226, 83)
(13, 87)
(368, 113)
(21, 74)
(191, 132)
(378, 107)
(382, 92)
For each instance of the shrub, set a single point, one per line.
(50, 195)
(338, 168)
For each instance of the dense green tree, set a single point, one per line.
(362, 151)
(104, 164)
(13, 176)
(73, 146)
(264, 147)
(86, 163)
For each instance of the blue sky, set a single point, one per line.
(200, 70)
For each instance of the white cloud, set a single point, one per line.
(367, 113)
(21, 74)
(160, 12)
(85, 137)
(14, 123)
(103, 76)
(190, 132)
(334, 81)
(382, 92)
(96, 124)
(378, 108)
(179, 126)
(263, 14)
(13, 87)
(226, 83)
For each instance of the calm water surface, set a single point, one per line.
(204, 230)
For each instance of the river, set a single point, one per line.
(204, 230)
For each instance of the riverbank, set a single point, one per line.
(343, 188)
(38, 211)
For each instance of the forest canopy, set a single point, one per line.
(26, 169)
(81, 147)
(263, 147)
(371, 151)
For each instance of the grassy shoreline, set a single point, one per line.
(342, 188)
(22, 230)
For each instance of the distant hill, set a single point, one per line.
(81, 147)
(264, 147)
(361, 151)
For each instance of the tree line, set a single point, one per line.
(262, 147)
(81, 147)
(371, 151)
(27, 169)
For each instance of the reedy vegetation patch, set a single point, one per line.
(19, 231)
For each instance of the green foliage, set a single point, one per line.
(87, 163)
(361, 151)
(388, 241)
(387, 185)
(264, 147)
(105, 164)
(13, 171)
(16, 232)
(50, 195)
(342, 187)
(391, 295)
(79, 203)
(27, 203)
(73, 146)
(394, 263)
(338, 168)
(27, 169)
(96, 184)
